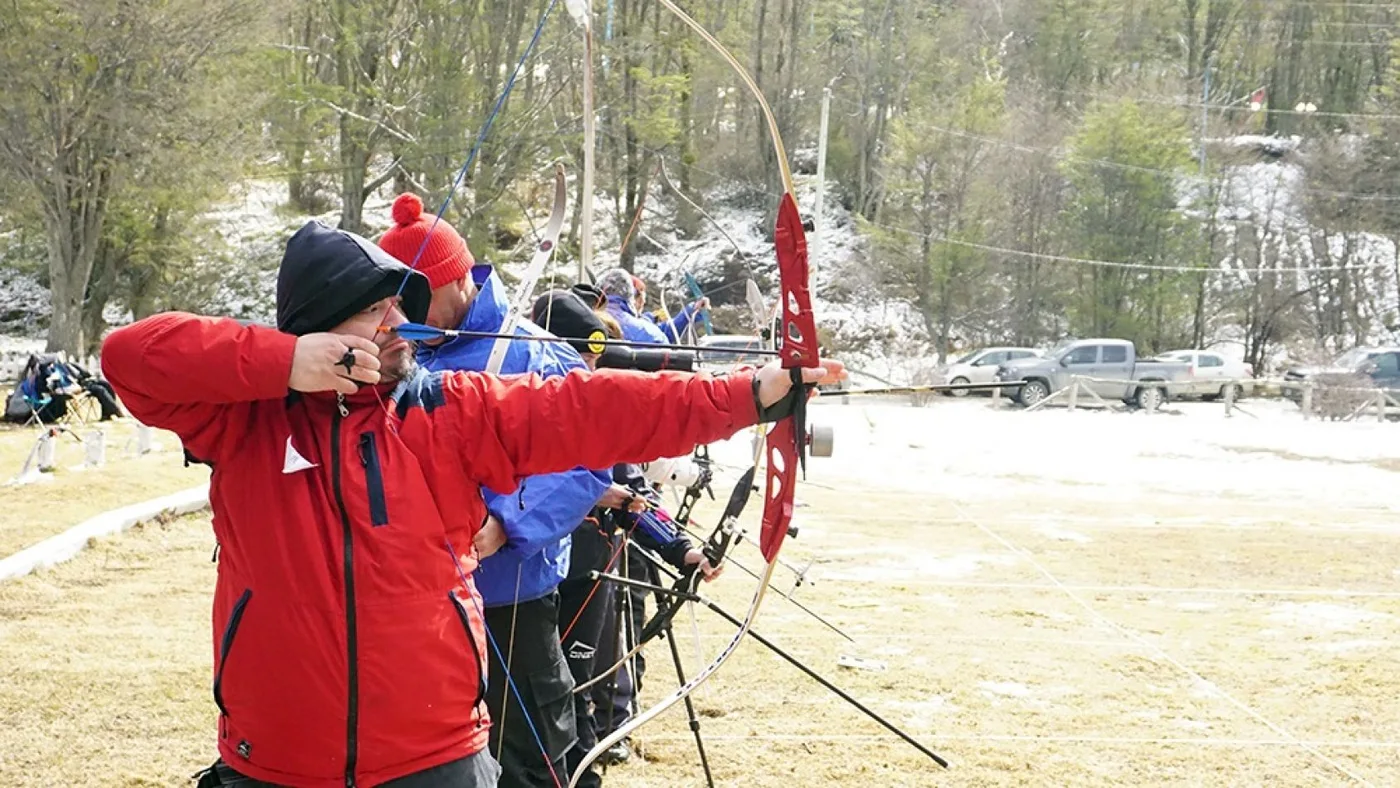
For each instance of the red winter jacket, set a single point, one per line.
(347, 650)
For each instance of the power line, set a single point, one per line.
(1184, 176)
(1062, 258)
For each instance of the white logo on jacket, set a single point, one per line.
(294, 461)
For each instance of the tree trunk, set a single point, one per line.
(70, 265)
(73, 225)
(99, 293)
(687, 220)
(353, 161)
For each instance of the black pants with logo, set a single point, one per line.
(545, 702)
(584, 612)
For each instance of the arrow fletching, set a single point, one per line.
(416, 332)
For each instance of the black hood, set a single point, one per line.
(327, 275)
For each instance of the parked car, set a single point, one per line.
(1364, 366)
(980, 366)
(1112, 364)
(1210, 374)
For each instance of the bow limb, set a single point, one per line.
(778, 148)
(543, 252)
(578, 9)
(798, 341)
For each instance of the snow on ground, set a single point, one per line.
(968, 444)
(1322, 615)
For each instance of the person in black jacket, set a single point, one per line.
(588, 610)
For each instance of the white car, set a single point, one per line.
(980, 366)
(1211, 373)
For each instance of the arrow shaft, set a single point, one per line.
(1008, 384)
(416, 330)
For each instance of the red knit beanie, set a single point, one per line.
(446, 257)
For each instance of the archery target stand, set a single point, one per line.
(142, 442)
(40, 462)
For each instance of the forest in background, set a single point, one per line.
(1022, 170)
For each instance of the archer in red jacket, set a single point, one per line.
(348, 646)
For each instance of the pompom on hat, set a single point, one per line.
(446, 257)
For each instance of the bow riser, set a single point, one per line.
(798, 345)
(797, 348)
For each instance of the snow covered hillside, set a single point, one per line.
(873, 333)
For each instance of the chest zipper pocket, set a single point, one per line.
(226, 646)
(374, 480)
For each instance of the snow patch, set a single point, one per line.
(1322, 615)
(1005, 689)
(1063, 534)
(1348, 646)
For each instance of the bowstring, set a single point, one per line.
(496, 649)
(480, 140)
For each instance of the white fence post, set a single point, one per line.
(94, 449)
(47, 443)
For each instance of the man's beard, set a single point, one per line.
(397, 365)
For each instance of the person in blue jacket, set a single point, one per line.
(621, 291)
(524, 546)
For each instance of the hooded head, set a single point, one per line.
(330, 276)
(327, 275)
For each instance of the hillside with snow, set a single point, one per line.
(873, 332)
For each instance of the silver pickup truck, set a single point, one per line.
(1110, 366)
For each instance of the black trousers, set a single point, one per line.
(474, 771)
(545, 705)
(623, 695)
(587, 623)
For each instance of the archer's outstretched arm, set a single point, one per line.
(507, 429)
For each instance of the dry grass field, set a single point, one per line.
(69, 495)
(1056, 599)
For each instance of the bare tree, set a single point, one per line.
(91, 87)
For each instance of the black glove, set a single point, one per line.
(783, 407)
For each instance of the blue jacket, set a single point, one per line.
(539, 515)
(643, 329)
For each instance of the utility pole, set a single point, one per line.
(821, 169)
(1205, 102)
